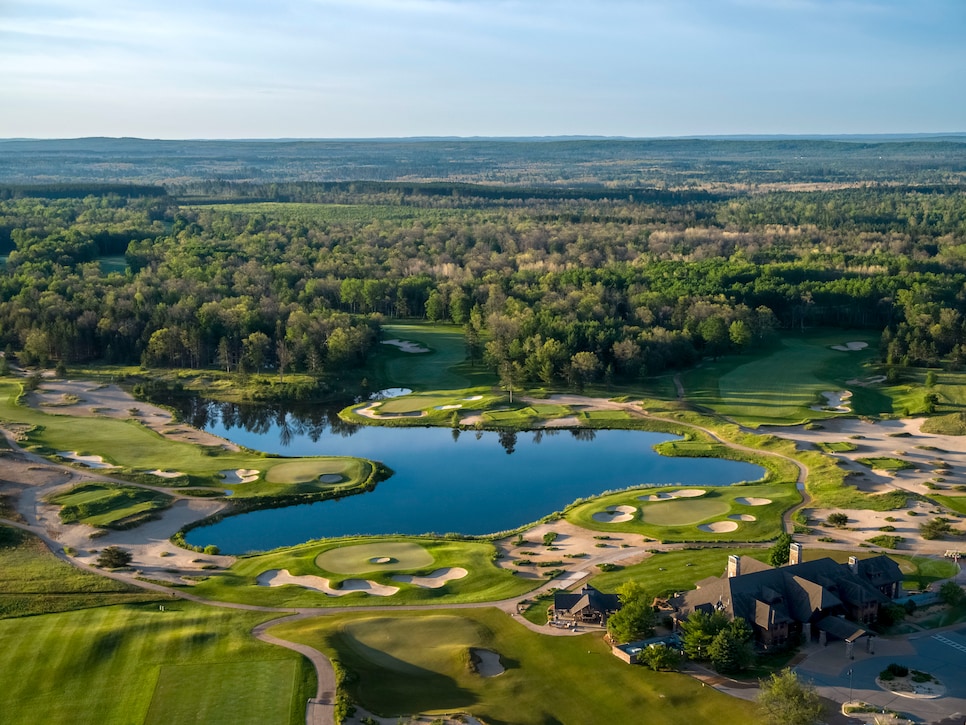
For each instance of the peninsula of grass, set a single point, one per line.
(34, 581)
(137, 664)
(406, 662)
(134, 448)
(837, 446)
(356, 558)
(680, 519)
(886, 463)
(951, 424)
(108, 505)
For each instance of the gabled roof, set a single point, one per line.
(841, 628)
(587, 597)
(879, 571)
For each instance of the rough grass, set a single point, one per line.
(34, 581)
(133, 663)
(951, 424)
(408, 662)
(681, 525)
(886, 463)
(837, 446)
(484, 581)
(107, 505)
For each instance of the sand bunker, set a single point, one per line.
(862, 382)
(615, 514)
(719, 527)
(473, 398)
(743, 517)
(752, 501)
(381, 560)
(449, 407)
(435, 580)
(89, 461)
(851, 346)
(281, 577)
(487, 663)
(834, 402)
(239, 475)
(165, 474)
(667, 496)
(406, 345)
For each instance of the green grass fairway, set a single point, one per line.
(135, 664)
(107, 505)
(954, 503)
(407, 662)
(358, 559)
(779, 386)
(682, 512)
(484, 581)
(886, 463)
(442, 368)
(676, 520)
(304, 471)
(34, 581)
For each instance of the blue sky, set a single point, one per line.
(378, 68)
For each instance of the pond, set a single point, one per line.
(444, 481)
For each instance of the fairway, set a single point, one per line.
(443, 368)
(407, 662)
(107, 505)
(359, 559)
(780, 386)
(681, 512)
(134, 664)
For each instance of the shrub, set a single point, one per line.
(837, 519)
(114, 557)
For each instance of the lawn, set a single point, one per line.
(678, 519)
(135, 448)
(441, 368)
(341, 559)
(407, 662)
(34, 581)
(779, 385)
(955, 503)
(136, 664)
(109, 505)
(886, 463)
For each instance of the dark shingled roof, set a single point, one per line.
(841, 628)
(587, 597)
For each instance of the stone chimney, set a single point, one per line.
(854, 564)
(734, 566)
(794, 554)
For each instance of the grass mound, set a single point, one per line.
(953, 424)
(109, 505)
(886, 463)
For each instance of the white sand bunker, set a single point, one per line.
(239, 475)
(281, 577)
(406, 345)
(719, 527)
(381, 560)
(330, 478)
(473, 398)
(851, 346)
(454, 406)
(487, 663)
(665, 496)
(871, 380)
(743, 517)
(615, 514)
(835, 402)
(657, 497)
(165, 474)
(690, 493)
(89, 461)
(435, 580)
(745, 501)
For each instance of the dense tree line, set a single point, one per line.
(550, 288)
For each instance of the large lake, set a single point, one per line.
(471, 483)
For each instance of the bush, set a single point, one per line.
(952, 594)
(896, 670)
(837, 519)
(114, 557)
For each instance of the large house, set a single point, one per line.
(813, 599)
(588, 606)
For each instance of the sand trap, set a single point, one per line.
(381, 560)
(752, 501)
(449, 407)
(473, 398)
(743, 517)
(488, 664)
(872, 380)
(689, 493)
(281, 577)
(406, 345)
(165, 474)
(615, 514)
(434, 580)
(851, 346)
(240, 475)
(390, 393)
(834, 402)
(89, 461)
(719, 527)
(657, 497)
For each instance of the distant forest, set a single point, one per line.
(553, 283)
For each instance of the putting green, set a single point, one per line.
(681, 512)
(435, 643)
(360, 559)
(304, 471)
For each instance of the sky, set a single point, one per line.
(398, 68)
